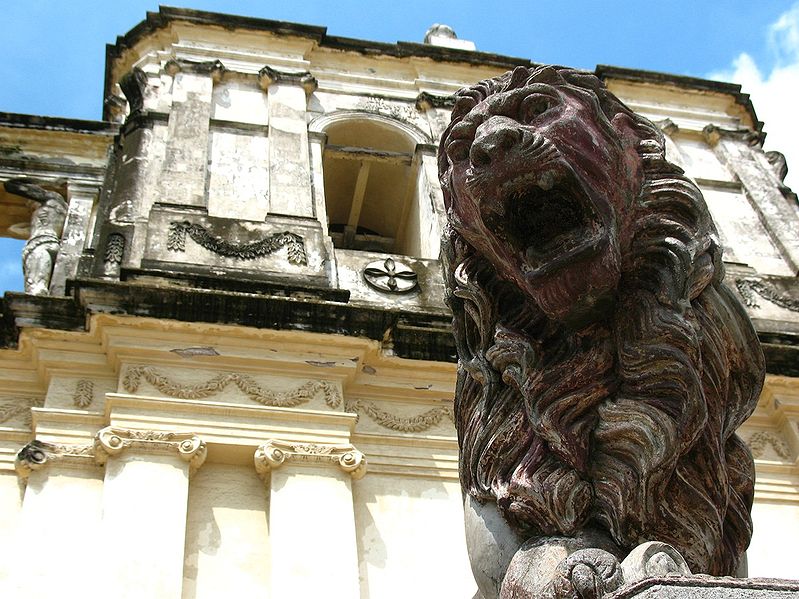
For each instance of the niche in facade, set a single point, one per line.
(370, 187)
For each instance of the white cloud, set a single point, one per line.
(775, 94)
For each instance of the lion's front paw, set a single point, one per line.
(586, 574)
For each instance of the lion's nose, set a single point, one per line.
(493, 140)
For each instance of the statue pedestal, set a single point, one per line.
(708, 587)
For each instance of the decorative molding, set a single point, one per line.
(400, 111)
(426, 101)
(274, 453)
(391, 276)
(114, 248)
(749, 287)
(759, 440)
(19, 406)
(246, 384)
(111, 441)
(176, 242)
(84, 393)
(37, 454)
(267, 76)
(411, 424)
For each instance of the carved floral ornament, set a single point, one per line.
(176, 242)
(391, 276)
(274, 453)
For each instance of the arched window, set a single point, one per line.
(371, 179)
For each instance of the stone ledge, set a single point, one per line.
(709, 587)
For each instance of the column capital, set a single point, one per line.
(267, 76)
(274, 453)
(713, 134)
(112, 440)
(37, 454)
(211, 68)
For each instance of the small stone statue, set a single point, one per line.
(47, 224)
(603, 365)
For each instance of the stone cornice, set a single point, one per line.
(274, 453)
(112, 441)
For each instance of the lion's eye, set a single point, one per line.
(534, 106)
(458, 150)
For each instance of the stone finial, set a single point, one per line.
(274, 453)
(112, 441)
(444, 36)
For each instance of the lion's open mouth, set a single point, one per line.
(546, 219)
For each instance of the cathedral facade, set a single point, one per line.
(231, 372)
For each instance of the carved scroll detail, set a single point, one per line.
(274, 453)
(84, 393)
(749, 287)
(246, 384)
(111, 441)
(411, 424)
(37, 454)
(176, 242)
(759, 440)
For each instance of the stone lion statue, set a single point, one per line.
(603, 365)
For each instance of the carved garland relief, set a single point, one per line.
(761, 439)
(749, 287)
(331, 395)
(176, 242)
(246, 384)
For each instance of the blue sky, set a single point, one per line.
(53, 52)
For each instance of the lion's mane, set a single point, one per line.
(628, 424)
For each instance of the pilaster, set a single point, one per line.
(740, 151)
(81, 200)
(183, 177)
(145, 499)
(311, 517)
(289, 154)
(60, 518)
